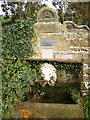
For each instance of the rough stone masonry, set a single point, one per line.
(65, 42)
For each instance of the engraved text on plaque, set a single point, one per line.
(47, 41)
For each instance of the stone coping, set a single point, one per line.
(76, 26)
(77, 58)
(56, 60)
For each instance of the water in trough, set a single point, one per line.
(55, 103)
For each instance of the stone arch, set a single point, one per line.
(47, 14)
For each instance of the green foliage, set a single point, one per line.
(17, 75)
(16, 72)
(74, 68)
(58, 89)
(86, 106)
(77, 12)
(85, 101)
(16, 79)
(31, 9)
(6, 20)
(17, 39)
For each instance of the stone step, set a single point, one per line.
(50, 110)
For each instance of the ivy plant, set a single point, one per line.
(16, 72)
(17, 38)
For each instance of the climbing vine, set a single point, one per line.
(17, 74)
(84, 101)
(17, 38)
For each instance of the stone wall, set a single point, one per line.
(65, 42)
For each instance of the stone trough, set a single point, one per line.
(53, 104)
(45, 110)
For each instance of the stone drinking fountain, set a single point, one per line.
(67, 43)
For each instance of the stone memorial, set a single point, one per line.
(65, 42)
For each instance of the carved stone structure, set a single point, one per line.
(47, 15)
(65, 42)
(48, 75)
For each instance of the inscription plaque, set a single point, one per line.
(64, 56)
(47, 41)
(47, 53)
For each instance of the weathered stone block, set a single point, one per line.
(75, 43)
(48, 27)
(77, 57)
(85, 71)
(62, 45)
(64, 77)
(86, 77)
(85, 58)
(83, 43)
